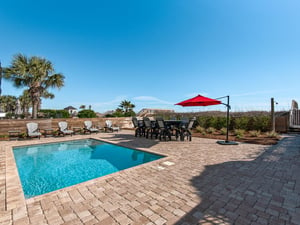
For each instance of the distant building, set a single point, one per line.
(72, 110)
(149, 112)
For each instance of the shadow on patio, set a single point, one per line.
(129, 140)
(263, 191)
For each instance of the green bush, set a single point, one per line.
(241, 122)
(52, 113)
(210, 130)
(262, 123)
(248, 123)
(10, 116)
(220, 123)
(223, 130)
(239, 133)
(199, 129)
(86, 113)
(272, 134)
(254, 133)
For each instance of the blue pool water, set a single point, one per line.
(48, 167)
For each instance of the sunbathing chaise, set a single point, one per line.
(88, 127)
(63, 128)
(33, 130)
(109, 126)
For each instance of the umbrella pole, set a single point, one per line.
(227, 119)
(227, 142)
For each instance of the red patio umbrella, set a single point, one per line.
(200, 100)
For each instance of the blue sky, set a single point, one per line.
(156, 53)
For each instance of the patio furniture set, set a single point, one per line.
(163, 129)
(33, 130)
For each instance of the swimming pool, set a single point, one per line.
(47, 167)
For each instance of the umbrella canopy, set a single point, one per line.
(199, 100)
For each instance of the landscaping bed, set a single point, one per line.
(262, 139)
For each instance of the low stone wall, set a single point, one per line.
(20, 124)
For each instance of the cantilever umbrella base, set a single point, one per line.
(227, 142)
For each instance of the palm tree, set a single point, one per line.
(25, 102)
(8, 103)
(45, 94)
(126, 106)
(35, 73)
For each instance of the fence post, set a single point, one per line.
(272, 115)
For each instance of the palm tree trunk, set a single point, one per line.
(34, 109)
(35, 96)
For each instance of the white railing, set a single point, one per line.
(295, 118)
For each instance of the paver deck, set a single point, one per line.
(199, 182)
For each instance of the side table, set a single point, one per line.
(48, 132)
(14, 134)
(77, 130)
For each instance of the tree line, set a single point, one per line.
(37, 75)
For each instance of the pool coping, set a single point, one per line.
(14, 195)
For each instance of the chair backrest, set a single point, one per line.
(108, 123)
(141, 123)
(135, 122)
(191, 123)
(160, 122)
(147, 122)
(32, 127)
(63, 125)
(88, 124)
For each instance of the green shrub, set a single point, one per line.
(223, 130)
(86, 113)
(262, 123)
(245, 122)
(220, 122)
(199, 129)
(254, 133)
(239, 133)
(210, 130)
(272, 134)
(241, 122)
(52, 113)
(216, 122)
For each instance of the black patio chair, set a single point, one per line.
(148, 130)
(163, 130)
(139, 126)
(185, 130)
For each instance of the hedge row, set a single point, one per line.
(262, 123)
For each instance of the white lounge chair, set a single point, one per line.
(109, 126)
(33, 130)
(63, 128)
(88, 127)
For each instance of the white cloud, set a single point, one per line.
(104, 106)
(152, 100)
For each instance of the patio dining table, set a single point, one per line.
(175, 123)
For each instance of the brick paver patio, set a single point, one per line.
(199, 182)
